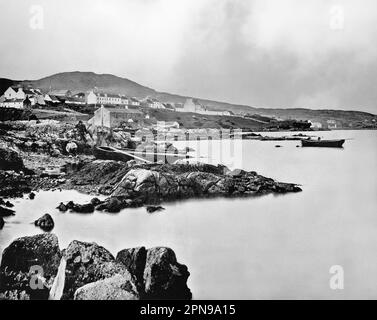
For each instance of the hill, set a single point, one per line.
(83, 81)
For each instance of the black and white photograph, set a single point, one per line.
(188, 150)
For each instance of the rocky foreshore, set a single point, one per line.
(35, 268)
(145, 184)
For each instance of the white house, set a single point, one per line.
(107, 98)
(331, 124)
(113, 117)
(51, 99)
(134, 102)
(153, 103)
(16, 103)
(124, 100)
(17, 93)
(315, 125)
(14, 93)
(193, 105)
(91, 98)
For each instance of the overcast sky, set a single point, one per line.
(272, 53)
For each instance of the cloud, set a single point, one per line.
(308, 53)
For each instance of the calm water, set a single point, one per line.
(267, 247)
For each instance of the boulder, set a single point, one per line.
(46, 223)
(10, 160)
(22, 259)
(117, 287)
(31, 195)
(83, 208)
(62, 207)
(95, 201)
(236, 173)
(164, 277)
(5, 212)
(89, 262)
(151, 209)
(134, 260)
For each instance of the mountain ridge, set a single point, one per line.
(82, 81)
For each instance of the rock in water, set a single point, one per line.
(62, 207)
(45, 222)
(89, 262)
(39, 253)
(164, 277)
(114, 288)
(152, 209)
(31, 195)
(134, 259)
(83, 208)
(10, 160)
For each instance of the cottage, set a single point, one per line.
(315, 124)
(60, 93)
(14, 93)
(49, 98)
(113, 117)
(91, 98)
(16, 103)
(153, 103)
(134, 102)
(331, 124)
(108, 98)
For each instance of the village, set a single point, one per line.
(110, 110)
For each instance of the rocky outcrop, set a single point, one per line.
(165, 182)
(10, 160)
(164, 277)
(45, 222)
(88, 263)
(153, 183)
(14, 184)
(28, 267)
(158, 274)
(88, 271)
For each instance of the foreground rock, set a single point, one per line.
(45, 222)
(22, 259)
(164, 277)
(114, 288)
(87, 271)
(91, 263)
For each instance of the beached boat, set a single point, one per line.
(323, 143)
(110, 153)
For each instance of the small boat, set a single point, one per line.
(110, 153)
(323, 143)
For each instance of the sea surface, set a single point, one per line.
(269, 247)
